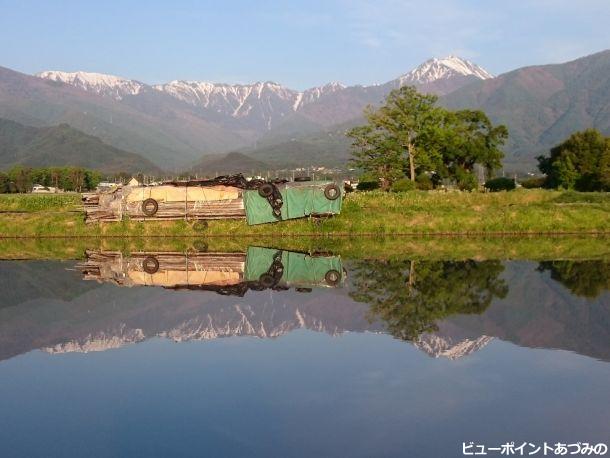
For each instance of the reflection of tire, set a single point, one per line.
(150, 207)
(332, 277)
(265, 190)
(200, 245)
(150, 265)
(332, 191)
(266, 281)
(299, 179)
(303, 290)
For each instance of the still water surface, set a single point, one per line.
(392, 358)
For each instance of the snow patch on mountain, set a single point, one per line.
(101, 341)
(315, 93)
(445, 68)
(441, 346)
(239, 99)
(99, 83)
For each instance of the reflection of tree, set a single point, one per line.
(410, 296)
(585, 278)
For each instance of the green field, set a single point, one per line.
(374, 213)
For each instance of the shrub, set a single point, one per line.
(402, 185)
(466, 181)
(424, 182)
(500, 184)
(532, 183)
(367, 185)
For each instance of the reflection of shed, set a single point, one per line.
(290, 268)
(229, 273)
(134, 182)
(166, 269)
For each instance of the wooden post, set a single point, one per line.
(186, 195)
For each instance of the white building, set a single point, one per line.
(40, 189)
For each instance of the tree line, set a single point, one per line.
(411, 297)
(22, 179)
(411, 142)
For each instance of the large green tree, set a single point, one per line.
(581, 162)
(409, 132)
(397, 134)
(466, 138)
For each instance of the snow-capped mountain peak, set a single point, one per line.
(260, 106)
(441, 69)
(99, 83)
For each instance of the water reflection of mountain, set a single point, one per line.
(22, 281)
(517, 302)
(540, 311)
(110, 316)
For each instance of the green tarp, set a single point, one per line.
(298, 269)
(300, 200)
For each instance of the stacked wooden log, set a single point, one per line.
(103, 206)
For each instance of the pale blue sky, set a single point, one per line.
(300, 44)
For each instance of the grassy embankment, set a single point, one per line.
(428, 248)
(25, 221)
(370, 213)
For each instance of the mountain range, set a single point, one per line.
(177, 124)
(64, 145)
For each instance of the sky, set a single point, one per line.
(300, 44)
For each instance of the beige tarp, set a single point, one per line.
(172, 278)
(179, 193)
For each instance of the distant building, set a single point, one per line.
(40, 189)
(105, 186)
(134, 182)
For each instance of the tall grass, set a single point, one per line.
(39, 202)
(368, 213)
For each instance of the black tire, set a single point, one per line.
(150, 207)
(299, 179)
(332, 191)
(332, 277)
(266, 281)
(265, 190)
(150, 265)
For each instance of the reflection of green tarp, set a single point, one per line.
(300, 199)
(300, 269)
